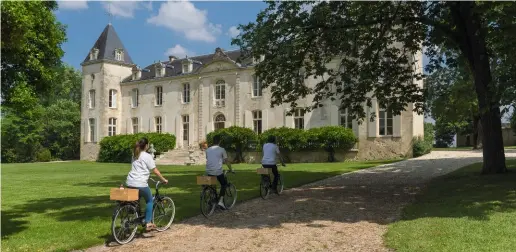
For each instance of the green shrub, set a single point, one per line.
(287, 139)
(330, 138)
(422, 146)
(43, 155)
(234, 138)
(119, 148)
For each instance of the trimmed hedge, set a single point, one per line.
(423, 145)
(119, 148)
(234, 138)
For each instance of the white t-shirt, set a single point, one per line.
(270, 151)
(215, 156)
(140, 170)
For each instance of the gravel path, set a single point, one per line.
(344, 213)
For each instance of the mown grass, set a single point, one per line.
(462, 211)
(65, 206)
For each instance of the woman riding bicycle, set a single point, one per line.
(270, 151)
(137, 178)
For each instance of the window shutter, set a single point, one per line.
(128, 123)
(372, 126)
(355, 126)
(396, 126)
(289, 120)
(164, 124)
(96, 131)
(114, 99)
(334, 115)
(248, 117)
(85, 130)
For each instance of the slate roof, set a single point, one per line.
(107, 42)
(176, 67)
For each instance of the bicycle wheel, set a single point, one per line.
(208, 201)
(126, 216)
(264, 187)
(163, 213)
(280, 184)
(231, 196)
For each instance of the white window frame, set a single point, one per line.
(158, 121)
(383, 115)
(135, 94)
(92, 130)
(112, 102)
(217, 121)
(118, 55)
(186, 128)
(257, 121)
(186, 93)
(159, 95)
(91, 99)
(345, 119)
(299, 118)
(257, 87)
(186, 68)
(136, 124)
(112, 126)
(220, 93)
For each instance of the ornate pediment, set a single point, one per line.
(218, 66)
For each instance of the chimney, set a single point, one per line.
(171, 58)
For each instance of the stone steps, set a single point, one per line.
(181, 157)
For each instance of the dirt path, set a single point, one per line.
(344, 213)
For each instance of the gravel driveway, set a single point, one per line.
(344, 213)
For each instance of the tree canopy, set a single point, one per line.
(31, 45)
(375, 43)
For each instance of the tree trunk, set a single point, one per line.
(471, 41)
(477, 130)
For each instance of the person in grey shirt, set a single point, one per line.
(141, 166)
(215, 157)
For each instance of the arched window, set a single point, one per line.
(220, 121)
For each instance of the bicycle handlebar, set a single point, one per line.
(157, 182)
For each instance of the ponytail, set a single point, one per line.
(139, 147)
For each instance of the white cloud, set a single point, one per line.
(73, 5)
(178, 51)
(148, 5)
(183, 17)
(123, 9)
(233, 31)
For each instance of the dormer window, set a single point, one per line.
(137, 73)
(187, 66)
(94, 54)
(160, 70)
(119, 54)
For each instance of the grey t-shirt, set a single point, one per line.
(215, 156)
(140, 170)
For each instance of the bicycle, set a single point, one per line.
(209, 196)
(266, 184)
(129, 225)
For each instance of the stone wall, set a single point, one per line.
(300, 157)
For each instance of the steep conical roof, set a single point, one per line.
(107, 42)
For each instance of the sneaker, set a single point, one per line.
(221, 205)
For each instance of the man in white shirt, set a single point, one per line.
(215, 157)
(270, 151)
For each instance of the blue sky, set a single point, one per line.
(151, 31)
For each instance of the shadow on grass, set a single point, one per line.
(465, 193)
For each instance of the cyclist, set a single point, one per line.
(215, 157)
(270, 151)
(142, 165)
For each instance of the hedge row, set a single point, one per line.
(329, 138)
(118, 149)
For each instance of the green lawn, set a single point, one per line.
(65, 206)
(465, 148)
(462, 211)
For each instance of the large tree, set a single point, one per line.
(365, 35)
(31, 45)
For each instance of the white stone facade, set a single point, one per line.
(195, 97)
